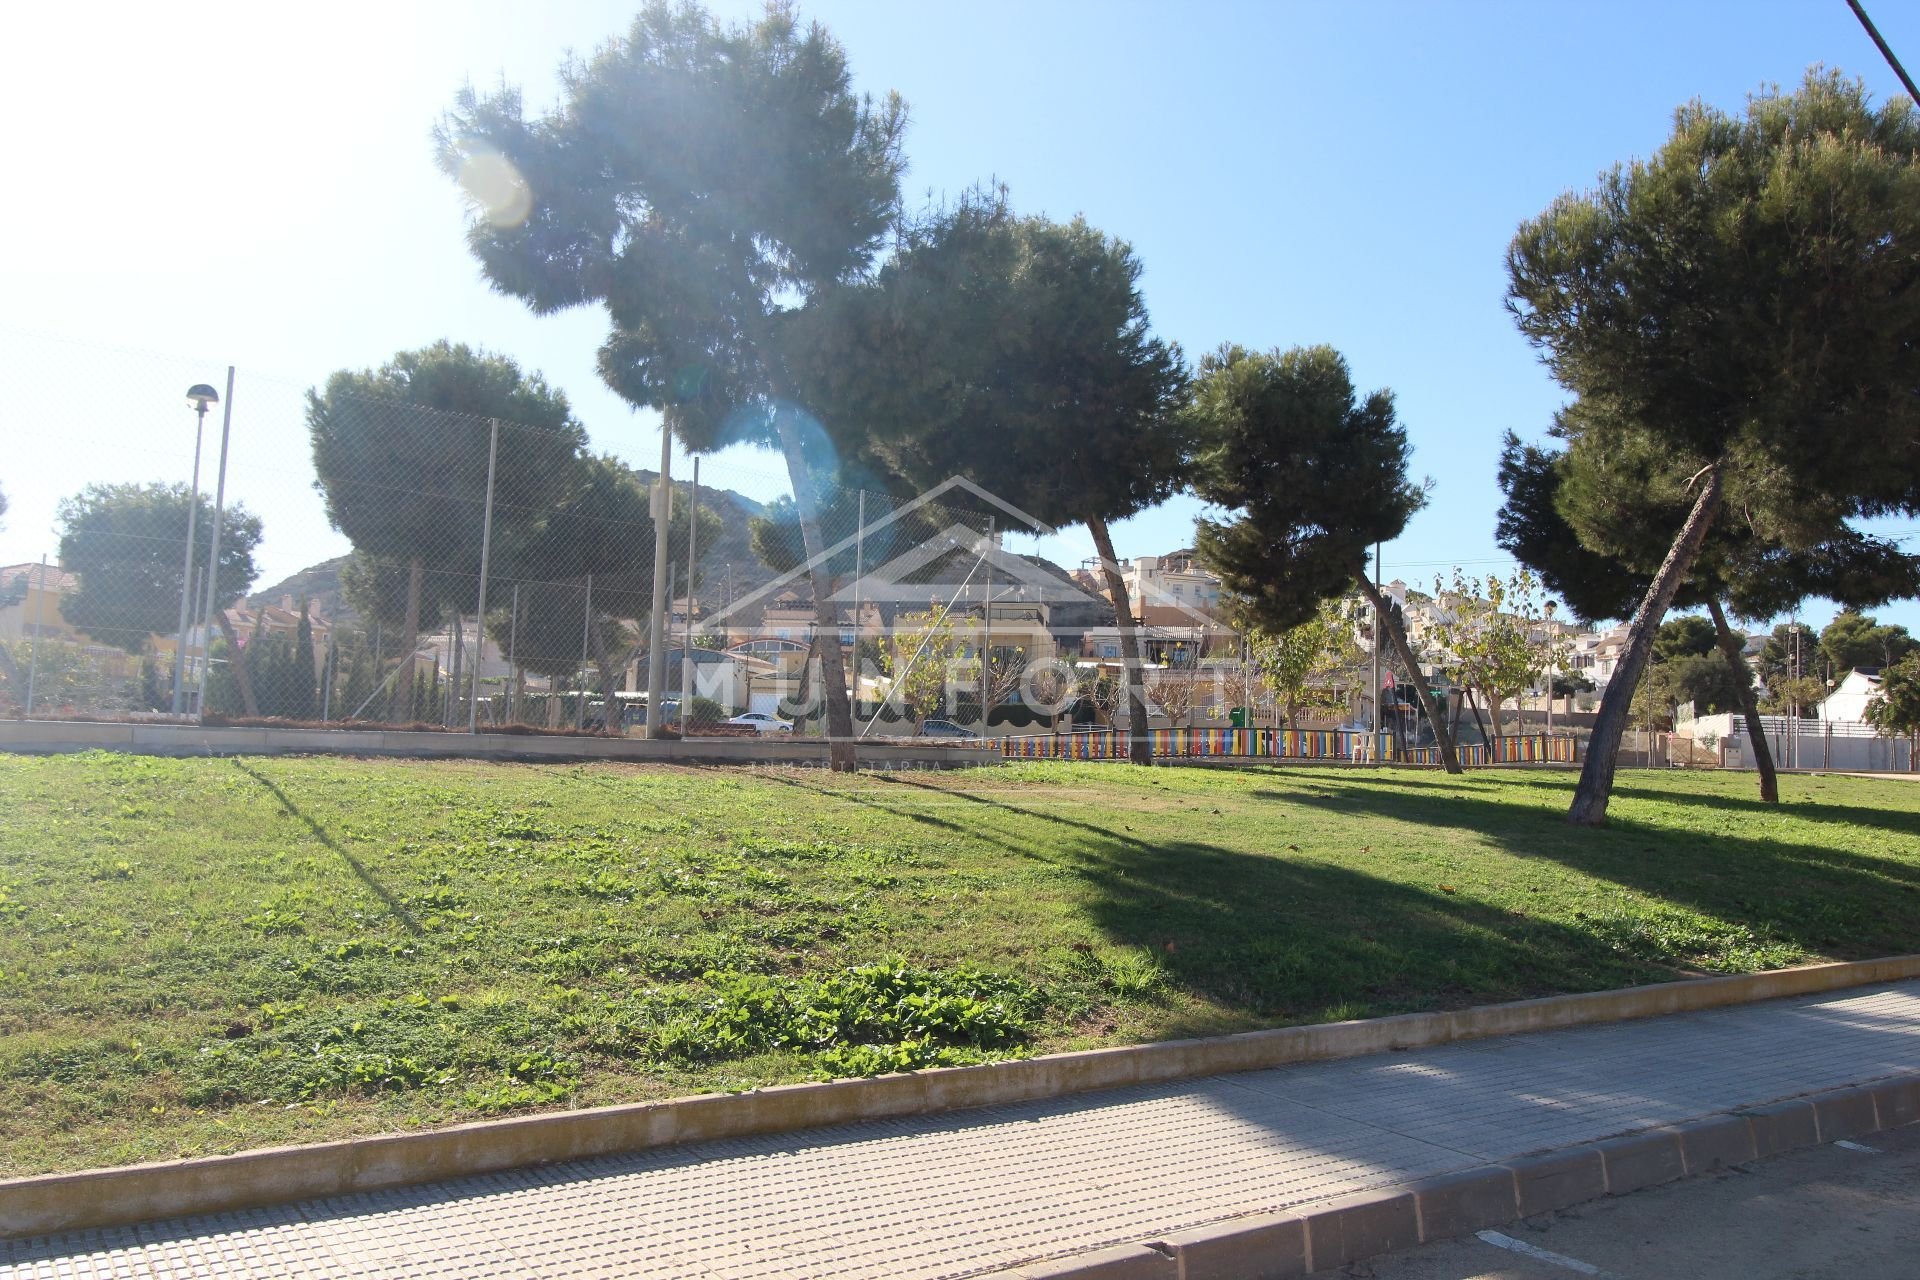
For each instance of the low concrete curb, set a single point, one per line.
(1282, 1246)
(54, 737)
(138, 1193)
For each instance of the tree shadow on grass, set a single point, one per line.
(1089, 828)
(1897, 821)
(892, 811)
(320, 833)
(1269, 940)
(1272, 938)
(1823, 898)
(1280, 940)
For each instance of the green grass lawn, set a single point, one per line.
(206, 955)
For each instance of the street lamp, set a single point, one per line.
(210, 581)
(199, 395)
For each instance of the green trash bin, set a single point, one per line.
(1237, 717)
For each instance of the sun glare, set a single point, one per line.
(493, 183)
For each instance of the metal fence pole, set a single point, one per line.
(33, 658)
(686, 645)
(329, 674)
(586, 636)
(859, 571)
(486, 554)
(513, 665)
(657, 622)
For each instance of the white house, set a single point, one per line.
(1848, 702)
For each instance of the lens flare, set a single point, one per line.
(492, 182)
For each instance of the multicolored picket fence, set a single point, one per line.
(1278, 744)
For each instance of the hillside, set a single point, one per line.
(321, 582)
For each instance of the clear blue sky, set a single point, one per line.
(196, 186)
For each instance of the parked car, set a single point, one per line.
(763, 722)
(944, 729)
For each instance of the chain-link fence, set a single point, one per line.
(415, 546)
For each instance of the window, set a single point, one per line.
(1109, 650)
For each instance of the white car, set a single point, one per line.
(763, 722)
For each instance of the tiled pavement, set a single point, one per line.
(966, 1193)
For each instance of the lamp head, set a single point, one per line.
(200, 395)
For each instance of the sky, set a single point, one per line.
(202, 185)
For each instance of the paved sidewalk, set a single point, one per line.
(962, 1194)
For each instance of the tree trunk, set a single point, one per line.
(1749, 705)
(803, 694)
(241, 676)
(1139, 745)
(841, 751)
(409, 643)
(1442, 736)
(1589, 808)
(1472, 699)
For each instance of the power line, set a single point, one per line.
(1886, 51)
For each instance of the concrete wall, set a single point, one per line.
(48, 737)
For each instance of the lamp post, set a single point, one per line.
(199, 395)
(210, 584)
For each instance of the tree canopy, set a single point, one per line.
(401, 451)
(1017, 352)
(1895, 707)
(126, 543)
(599, 530)
(401, 454)
(1311, 476)
(1594, 523)
(708, 185)
(1735, 319)
(1855, 639)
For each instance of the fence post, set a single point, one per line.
(33, 658)
(586, 636)
(686, 644)
(657, 633)
(486, 552)
(513, 665)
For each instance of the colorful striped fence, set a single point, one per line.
(1277, 744)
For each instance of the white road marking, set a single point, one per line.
(1854, 1146)
(1499, 1241)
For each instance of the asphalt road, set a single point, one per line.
(1823, 1213)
